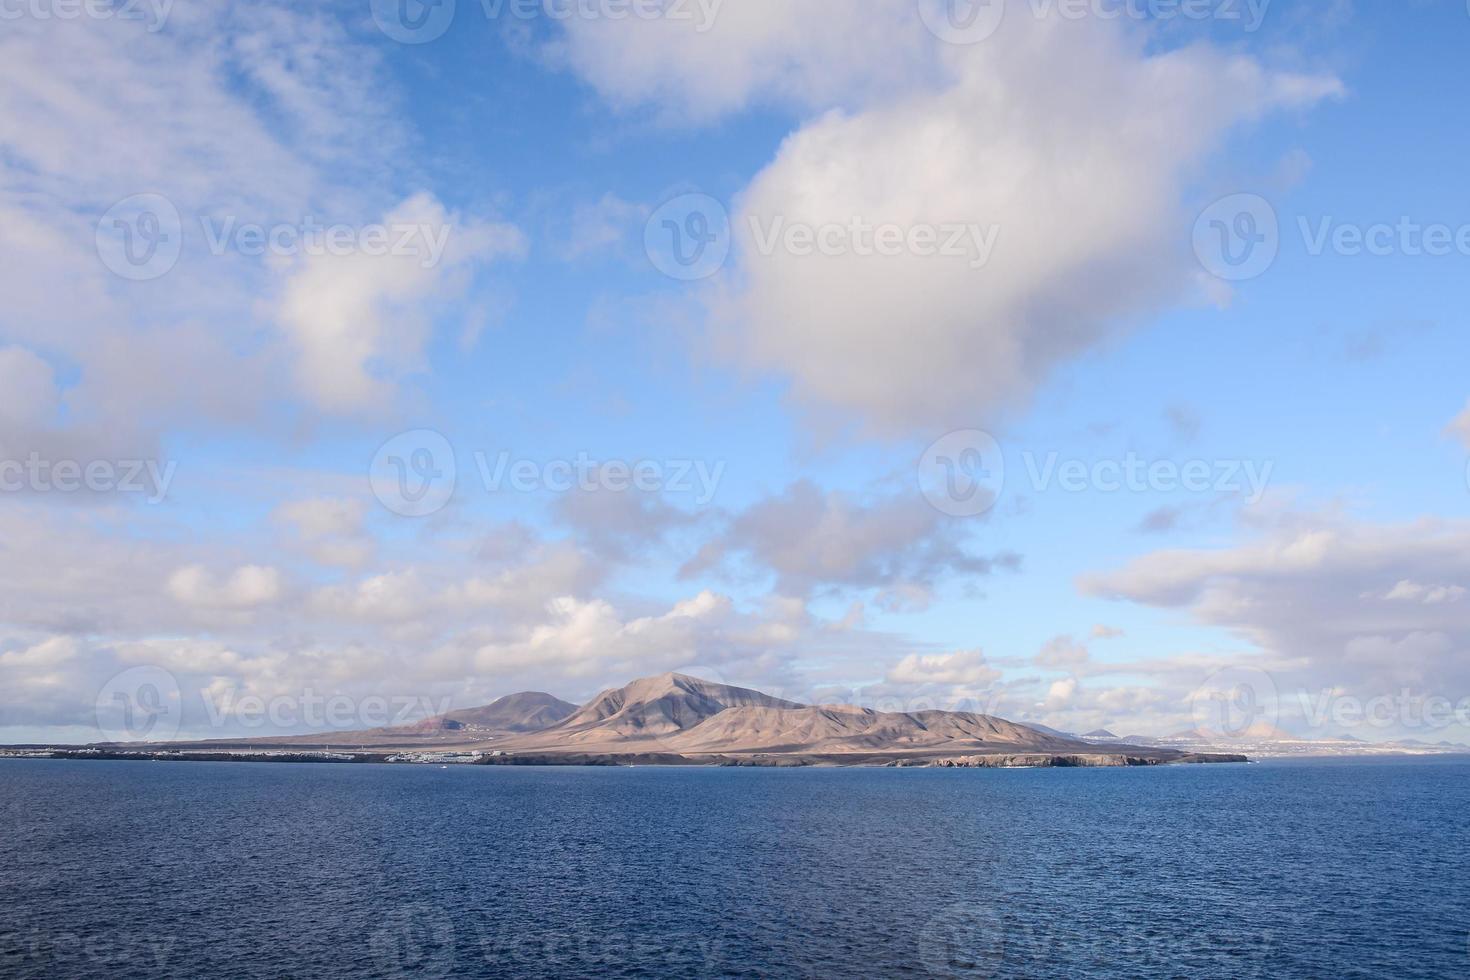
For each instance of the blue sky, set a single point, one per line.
(813, 386)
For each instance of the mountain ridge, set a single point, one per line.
(675, 719)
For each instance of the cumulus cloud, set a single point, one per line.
(617, 524)
(357, 321)
(1428, 595)
(979, 144)
(28, 395)
(246, 587)
(918, 340)
(50, 652)
(964, 668)
(1328, 602)
(331, 529)
(695, 69)
(813, 540)
(1062, 653)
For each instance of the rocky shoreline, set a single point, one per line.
(613, 760)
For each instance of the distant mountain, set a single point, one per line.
(659, 706)
(1047, 730)
(674, 718)
(514, 714)
(674, 713)
(1102, 733)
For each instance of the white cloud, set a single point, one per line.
(913, 340)
(1332, 603)
(810, 54)
(963, 668)
(357, 322)
(1460, 427)
(1429, 595)
(1063, 652)
(1036, 136)
(28, 395)
(246, 587)
(811, 539)
(254, 112)
(1061, 693)
(51, 652)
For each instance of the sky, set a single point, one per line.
(1096, 364)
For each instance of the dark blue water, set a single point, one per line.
(243, 870)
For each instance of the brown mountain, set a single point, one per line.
(674, 718)
(513, 714)
(676, 714)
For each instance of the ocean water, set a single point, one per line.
(135, 869)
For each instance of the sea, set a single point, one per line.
(1313, 869)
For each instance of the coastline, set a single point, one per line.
(626, 760)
